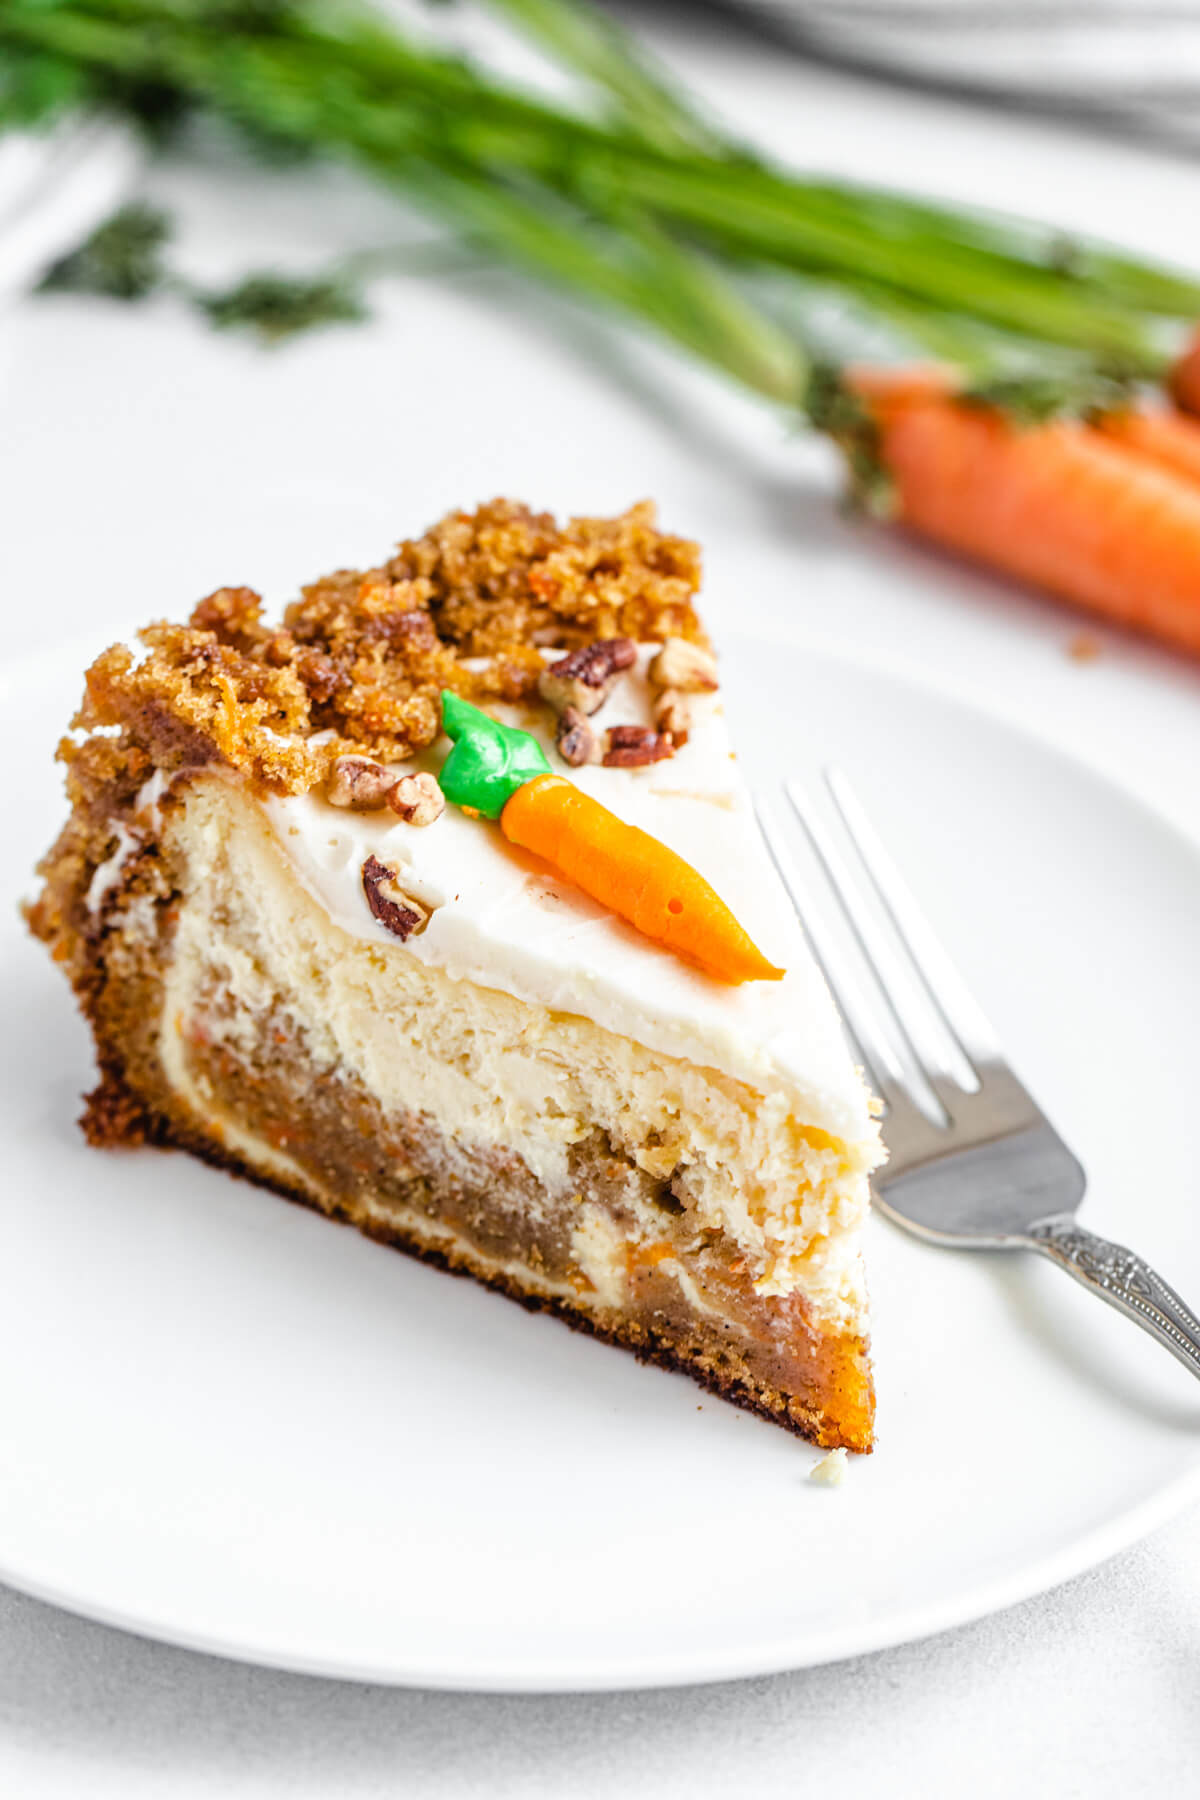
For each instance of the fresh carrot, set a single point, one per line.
(1164, 435)
(886, 386)
(1183, 382)
(1064, 506)
(634, 875)
(1167, 437)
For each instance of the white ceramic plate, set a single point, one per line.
(227, 1424)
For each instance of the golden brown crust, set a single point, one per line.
(684, 1354)
(114, 1118)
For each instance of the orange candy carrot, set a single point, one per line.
(496, 771)
(1064, 506)
(634, 875)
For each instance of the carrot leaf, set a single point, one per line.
(489, 761)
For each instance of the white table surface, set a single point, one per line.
(145, 461)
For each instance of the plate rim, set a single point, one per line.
(903, 1627)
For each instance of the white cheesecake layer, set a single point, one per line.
(488, 1070)
(503, 920)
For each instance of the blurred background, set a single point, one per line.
(289, 278)
(1132, 64)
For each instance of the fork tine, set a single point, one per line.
(957, 1006)
(871, 1048)
(934, 1054)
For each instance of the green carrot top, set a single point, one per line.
(489, 761)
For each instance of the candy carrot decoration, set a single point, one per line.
(633, 874)
(503, 774)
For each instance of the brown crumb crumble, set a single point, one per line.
(353, 669)
(358, 661)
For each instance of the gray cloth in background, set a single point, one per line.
(1129, 62)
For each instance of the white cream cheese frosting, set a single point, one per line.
(502, 920)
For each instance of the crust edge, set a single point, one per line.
(114, 1117)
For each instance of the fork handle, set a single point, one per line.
(1125, 1281)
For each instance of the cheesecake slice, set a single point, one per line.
(300, 964)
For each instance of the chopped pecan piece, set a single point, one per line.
(673, 717)
(686, 666)
(577, 743)
(633, 746)
(395, 910)
(584, 679)
(417, 799)
(359, 782)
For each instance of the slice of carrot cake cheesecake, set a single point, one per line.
(439, 906)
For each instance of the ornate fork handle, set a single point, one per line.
(1125, 1281)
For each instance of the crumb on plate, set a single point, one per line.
(830, 1471)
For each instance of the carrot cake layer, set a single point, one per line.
(299, 962)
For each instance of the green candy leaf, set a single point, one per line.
(489, 761)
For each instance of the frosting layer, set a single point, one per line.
(502, 920)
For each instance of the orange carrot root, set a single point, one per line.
(1069, 508)
(1169, 438)
(633, 875)
(1183, 383)
(886, 387)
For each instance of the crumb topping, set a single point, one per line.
(352, 670)
(357, 663)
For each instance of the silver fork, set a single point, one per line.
(973, 1162)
